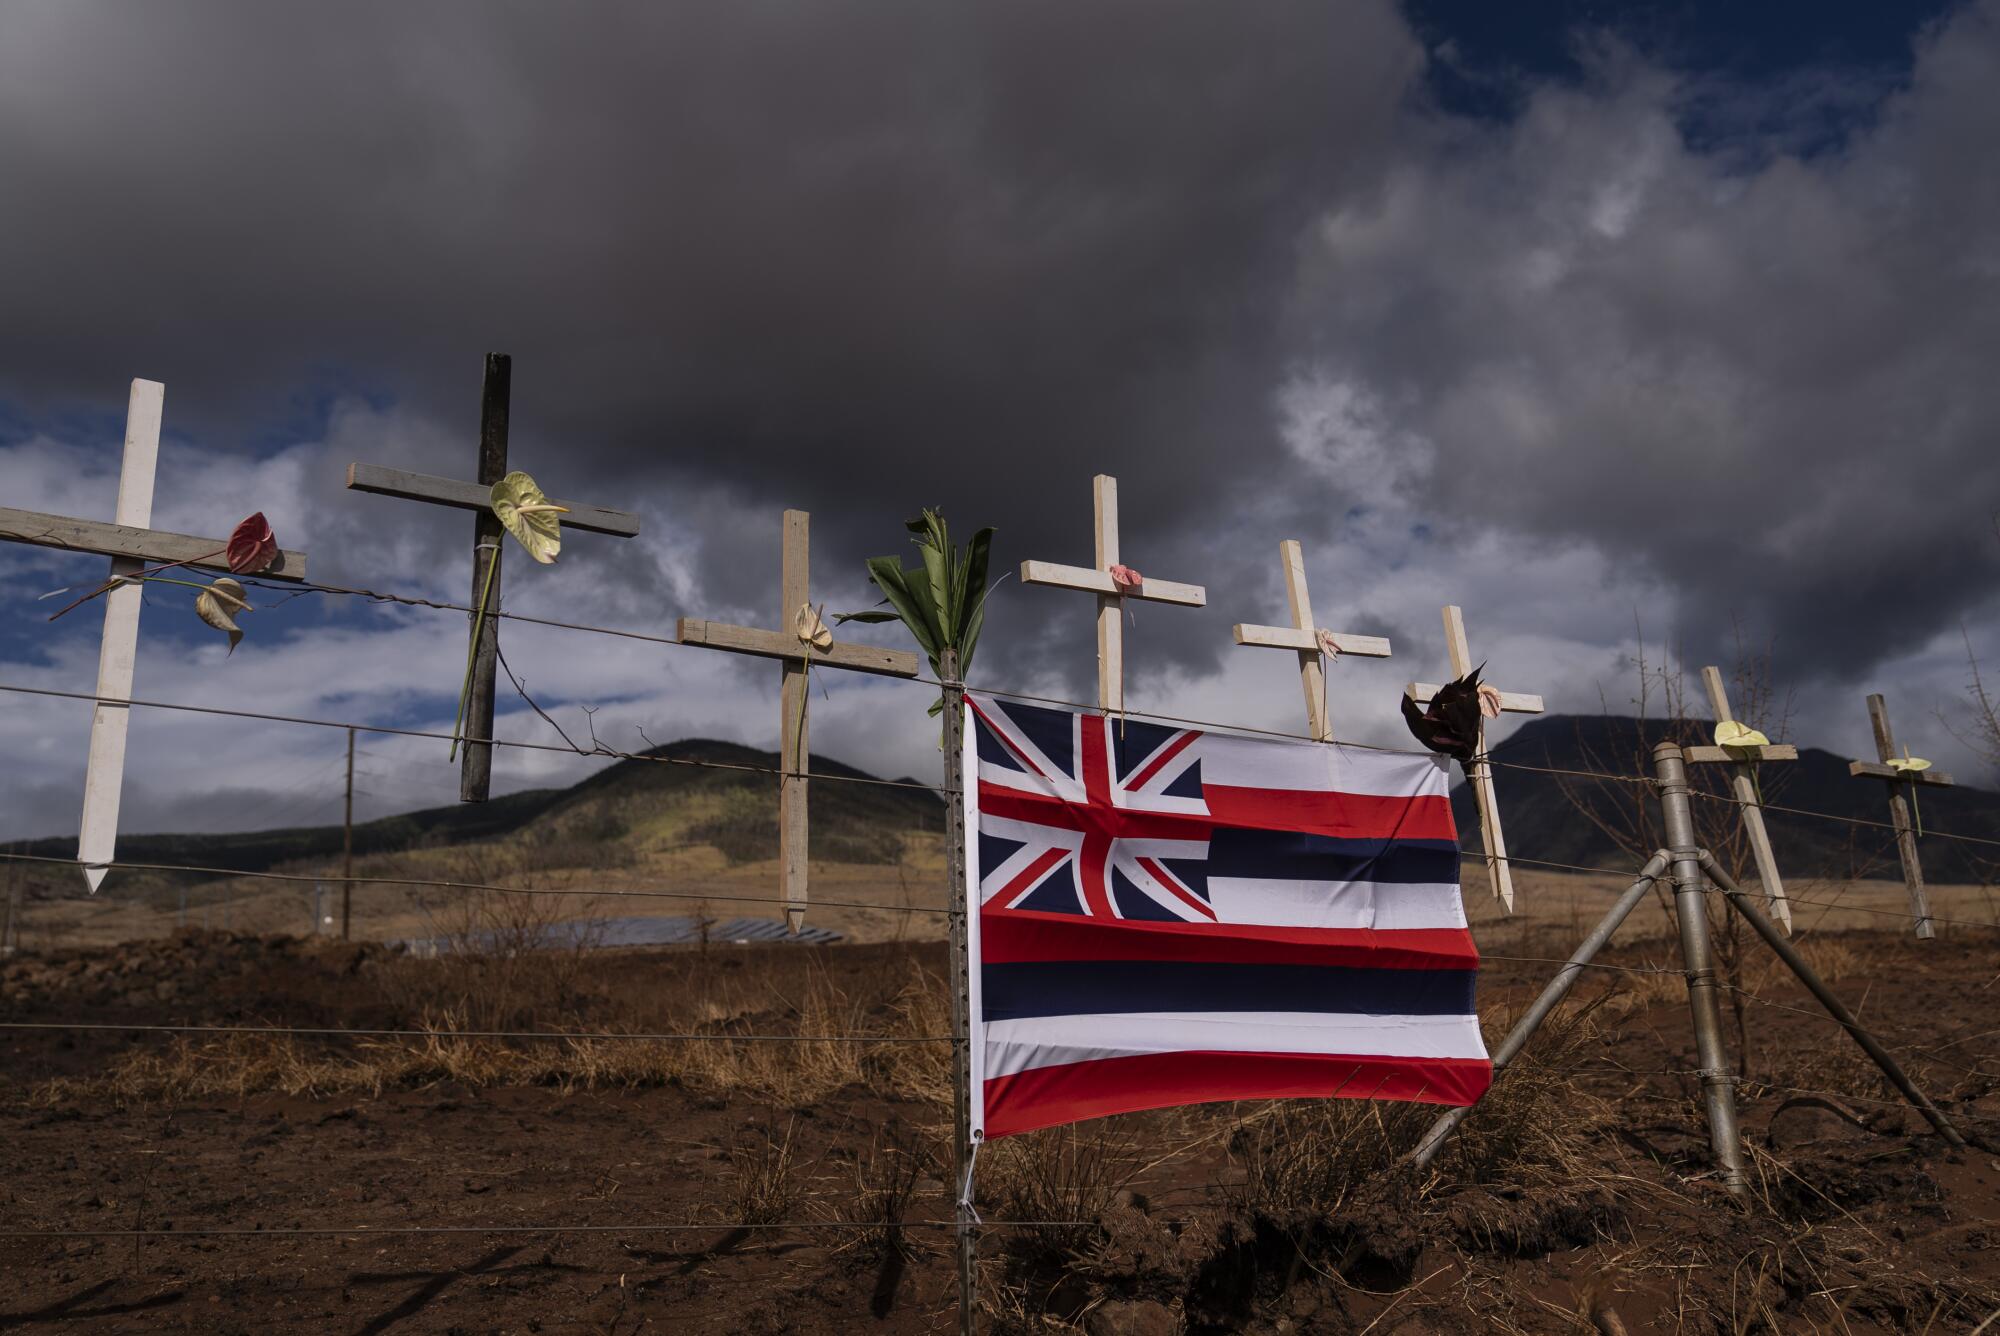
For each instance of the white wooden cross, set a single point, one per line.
(1481, 776)
(1310, 639)
(804, 645)
(1111, 595)
(1741, 759)
(1902, 779)
(496, 390)
(131, 545)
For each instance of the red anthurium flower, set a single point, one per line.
(252, 546)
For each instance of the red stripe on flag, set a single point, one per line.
(1034, 873)
(1071, 1092)
(1010, 936)
(1355, 816)
(1046, 810)
(1161, 875)
(1166, 753)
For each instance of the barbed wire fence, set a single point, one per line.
(1981, 1075)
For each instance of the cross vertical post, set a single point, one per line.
(805, 643)
(104, 779)
(1311, 640)
(1111, 592)
(795, 592)
(1479, 775)
(132, 545)
(1902, 780)
(1740, 760)
(1110, 611)
(476, 772)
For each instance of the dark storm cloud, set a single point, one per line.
(861, 258)
(857, 258)
(1763, 386)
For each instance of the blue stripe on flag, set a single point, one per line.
(1235, 851)
(1094, 987)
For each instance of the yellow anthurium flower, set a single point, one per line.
(527, 513)
(1731, 733)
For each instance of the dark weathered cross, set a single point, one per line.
(131, 545)
(1902, 774)
(1313, 642)
(805, 644)
(476, 776)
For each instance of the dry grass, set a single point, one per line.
(835, 1049)
(769, 1179)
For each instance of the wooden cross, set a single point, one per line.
(1481, 774)
(1742, 759)
(1899, 779)
(1111, 595)
(476, 776)
(1310, 639)
(803, 646)
(132, 546)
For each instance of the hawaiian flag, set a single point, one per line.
(1167, 916)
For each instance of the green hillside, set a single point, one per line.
(652, 802)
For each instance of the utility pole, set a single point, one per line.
(347, 850)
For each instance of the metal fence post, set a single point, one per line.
(1718, 1088)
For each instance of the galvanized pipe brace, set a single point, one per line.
(1740, 900)
(1558, 988)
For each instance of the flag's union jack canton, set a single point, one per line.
(1169, 917)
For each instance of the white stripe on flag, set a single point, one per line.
(1313, 767)
(1278, 902)
(1051, 1041)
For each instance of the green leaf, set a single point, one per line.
(872, 616)
(938, 578)
(924, 600)
(887, 573)
(942, 600)
(529, 515)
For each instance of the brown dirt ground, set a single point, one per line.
(1860, 1219)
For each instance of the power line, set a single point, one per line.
(478, 885)
(632, 1227)
(600, 750)
(322, 1032)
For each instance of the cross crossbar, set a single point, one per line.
(137, 544)
(1776, 751)
(1291, 637)
(786, 645)
(1877, 770)
(471, 496)
(1058, 576)
(1511, 702)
